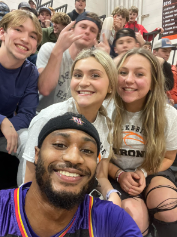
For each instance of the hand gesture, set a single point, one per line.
(47, 23)
(118, 25)
(161, 30)
(66, 38)
(140, 38)
(10, 134)
(103, 45)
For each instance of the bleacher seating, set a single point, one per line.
(62, 8)
(153, 33)
(46, 4)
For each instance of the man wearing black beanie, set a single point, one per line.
(56, 202)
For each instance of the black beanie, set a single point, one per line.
(72, 121)
(123, 33)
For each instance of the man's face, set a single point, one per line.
(57, 28)
(124, 44)
(32, 4)
(80, 5)
(132, 16)
(21, 41)
(119, 21)
(66, 165)
(90, 32)
(147, 47)
(163, 53)
(44, 15)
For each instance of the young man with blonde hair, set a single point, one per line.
(20, 33)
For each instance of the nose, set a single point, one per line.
(129, 79)
(87, 31)
(73, 155)
(25, 37)
(84, 82)
(125, 45)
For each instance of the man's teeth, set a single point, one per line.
(85, 92)
(21, 47)
(128, 89)
(69, 174)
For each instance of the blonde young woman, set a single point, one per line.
(145, 144)
(93, 79)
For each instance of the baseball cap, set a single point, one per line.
(69, 121)
(45, 9)
(24, 5)
(163, 43)
(123, 33)
(31, 1)
(4, 9)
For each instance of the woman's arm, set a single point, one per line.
(168, 160)
(104, 184)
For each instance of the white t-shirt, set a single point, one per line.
(62, 90)
(59, 109)
(132, 152)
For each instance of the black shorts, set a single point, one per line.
(124, 195)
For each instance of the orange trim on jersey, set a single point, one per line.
(19, 219)
(17, 213)
(99, 157)
(69, 227)
(90, 217)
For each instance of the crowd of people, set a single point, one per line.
(93, 124)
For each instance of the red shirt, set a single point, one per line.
(137, 27)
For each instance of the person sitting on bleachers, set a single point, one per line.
(132, 24)
(162, 48)
(79, 9)
(120, 16)
(60, 20)
(20, 32)
(45, 17)
(54, 61)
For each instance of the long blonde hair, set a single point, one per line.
(109, 66)
(153, 114)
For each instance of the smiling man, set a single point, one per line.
(79, 9)
(20, 33)
(56, 203)
(54, 61)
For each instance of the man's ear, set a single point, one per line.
(2, 34)
(37, 150)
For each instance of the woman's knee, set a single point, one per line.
(137, 209)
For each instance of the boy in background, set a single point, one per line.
(132, 24)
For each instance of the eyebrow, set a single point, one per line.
(87, 139)
(135, 68)
(91, 70)
(21, 26)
